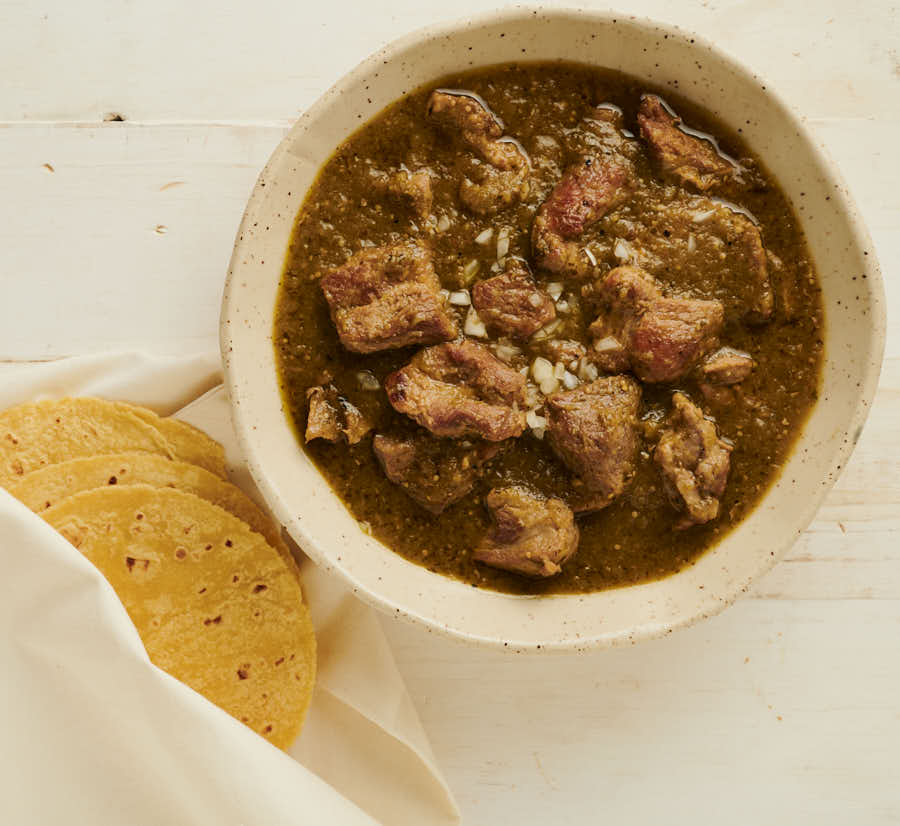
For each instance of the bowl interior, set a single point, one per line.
(667, 57)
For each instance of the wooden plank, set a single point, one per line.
(127, 241)
(205, 61)
(773, 712)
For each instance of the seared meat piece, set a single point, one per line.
(355, 424)
(584, 194)
(595, 184)
(460, 389)
(512, 304)
(564, 350)
(500, 176)
(410, 189)
(685, 156)
(486, 189)
(331, 416)
(671, 335)
(694, 462)
(743, 238)
(468, 116)
(387, 297)
(727, 366)
(713, 245)
(530, 535)
(607, 124)
(594, 430)
(433, 472)
(661, 338)
(323, 417)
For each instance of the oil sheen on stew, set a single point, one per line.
(547, 329)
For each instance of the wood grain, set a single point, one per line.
(777, 711)
(205, 61)
(117, 234)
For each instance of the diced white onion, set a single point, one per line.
(474, 326)
(604, 345)
(622, 250)
(367, 381)
(502, 243)
(460, 298)
(549, 385)
(569, 381)
(547, 330)
(588, 371)
(524, 371)
(538, 424)
(541, 370)
(562, 306)
(533, 420)
(495, 267)
(692, 243)
(484, 236)
(507, 352)
(559, 370)
(470, 270)
(701, 217)
(590, 256)
(555, 288)
(443, 224)
(535, 300)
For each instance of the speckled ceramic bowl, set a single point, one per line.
(665, 56)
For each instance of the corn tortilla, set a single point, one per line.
(215, 605)
(44, 487)
(47, 432)
(188, 443)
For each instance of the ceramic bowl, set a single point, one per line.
(666, 57)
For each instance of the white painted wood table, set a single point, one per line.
(116, 234)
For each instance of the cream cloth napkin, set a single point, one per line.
(92, 733)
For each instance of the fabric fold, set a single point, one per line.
(85, 713)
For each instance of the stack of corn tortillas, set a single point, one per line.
(204, 575)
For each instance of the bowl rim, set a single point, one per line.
(648, 629)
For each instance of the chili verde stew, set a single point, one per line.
(546, 329)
